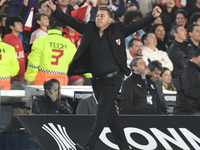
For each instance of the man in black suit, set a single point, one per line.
(102, 53)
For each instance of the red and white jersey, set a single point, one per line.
(36, 34)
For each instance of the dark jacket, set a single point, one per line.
(188, 93)
(133, 96)
(87, 106)
(178, 54)
(168, 18)
(191, 48)
(44, 105)
(81, 62)
(163, 104)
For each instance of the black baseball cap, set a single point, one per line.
(20, 105)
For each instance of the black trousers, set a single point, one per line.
(106, 91)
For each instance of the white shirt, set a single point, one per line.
(158, 55)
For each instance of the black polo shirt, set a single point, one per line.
(102, 60)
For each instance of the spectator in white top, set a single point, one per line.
(152, 53)
(41, 21)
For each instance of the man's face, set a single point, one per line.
(151, 40)
(102, 19)
(155, 75)
(18, 111)
(198, 22)
(102, 2)
(160, 32)
(141, 67)
(170, 3)
(17, 27)
(136, 49)
(44, 9)
(180, 19)
(44, 21)
(195, 34)
(56, 89)
(181, 33)
(62, 2)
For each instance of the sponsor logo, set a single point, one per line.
(152, 143)
(152, 138)
(60, 136)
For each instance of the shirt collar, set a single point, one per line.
(54, 31)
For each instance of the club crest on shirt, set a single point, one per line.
(118, 41)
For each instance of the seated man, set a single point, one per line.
(50, 102)
(139, 94)
(14, 136)
(87, 105)
(152, 53)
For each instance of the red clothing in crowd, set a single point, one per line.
(15, 41)
(76, 39)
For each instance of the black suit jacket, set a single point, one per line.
(117, 34)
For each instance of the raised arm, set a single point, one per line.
(137, 25)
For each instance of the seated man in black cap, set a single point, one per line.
(14, 136)
(18, 109)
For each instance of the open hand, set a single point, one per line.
(52, 94)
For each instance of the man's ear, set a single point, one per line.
(134, 68)
(110, 20)
(11, 27)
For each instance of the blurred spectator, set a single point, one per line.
(139, 94)
(195, 18)
(43, 8)
(72, 35)
(3, 18)
(129, 17)
(14, 136)
(166, 78)
(193, 40)
(87, 105)
(188, 91)
(64, 6)
(50, 57)
(51, 102)
(158, 20)
(76, 80)
(14, 27)
(41, 21)
(135, 49)
(4, 6)
(168, 11)
(181, 18)
(155, 69)
(9, 65)
(177, 51)
(152, 53)
(117, 11)
(161, 36)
